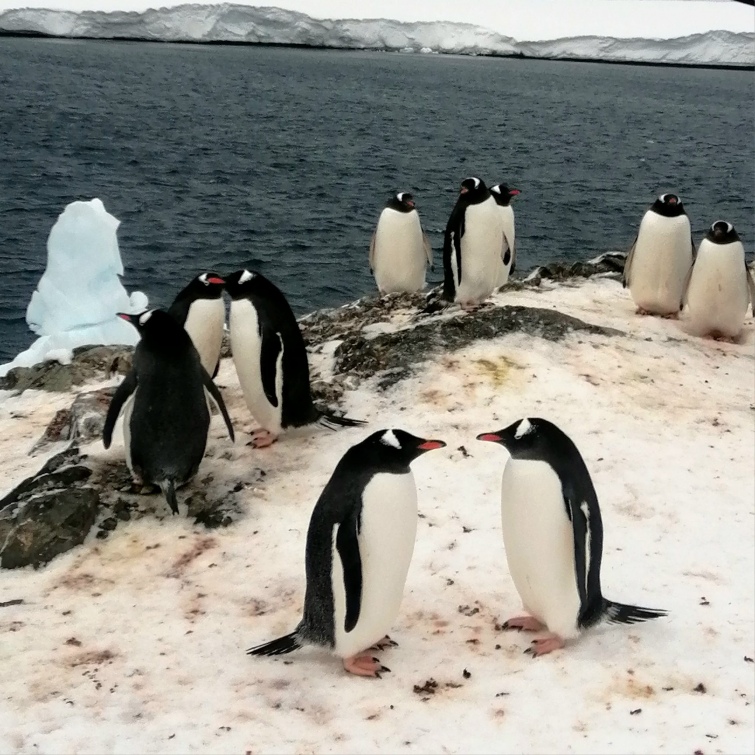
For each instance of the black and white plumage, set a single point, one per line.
(660, 259)
(200, 309)
(553, 535)
(166, 416)
(503, 195)
(472, 245)
(359, 545)
(400, 251)
(719, 288)
(271, 359)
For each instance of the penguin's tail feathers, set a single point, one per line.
(286, 644)
(620, 613)
(333, 421)
(168, 487)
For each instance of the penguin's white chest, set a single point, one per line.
(386, 543)
(507, 244)
(246, 347)
(204, 324)
(480, 252)
(661, 260)
(126, 413)
(399, 252)
(717, 295)
(539, 543)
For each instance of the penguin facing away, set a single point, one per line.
(399, 249)
(200, 309)
(660, 258)
(553, 536)
(503, 195)
(166, 414)
(271, 360)
(719, 287)
(472, 246)
(359, 546)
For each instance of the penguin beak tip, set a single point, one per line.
(492, 437)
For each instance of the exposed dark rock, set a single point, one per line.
(88, 362)
(48, 513)
(82, 422)
(398, 353)
(610, 265)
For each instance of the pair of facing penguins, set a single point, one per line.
(479, 248)
(363, 527)
(710, 287)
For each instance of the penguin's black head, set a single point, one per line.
(503, 194)
(668, 205)
(154, 324)
(402, 202)
(722, 232)
(205, 286)
(473, 191)
(244, 284)
(528, 438)
(396, 448)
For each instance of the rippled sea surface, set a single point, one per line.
(216, 157)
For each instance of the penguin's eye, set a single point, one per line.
(389, 438)
(203, 278)
(143, 319)
(525, 427)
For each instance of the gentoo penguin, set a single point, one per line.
(660, 258)
(720, 286)
(271, 359)
(553, 535)
(472, 246)
(399, 249)
(200, 309)
(359, 546)
(166, 417)
(503, 195)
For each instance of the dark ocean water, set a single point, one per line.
(281, 159)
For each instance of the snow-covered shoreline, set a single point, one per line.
(238, 24)
(136, 642)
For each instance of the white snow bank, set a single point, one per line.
(136, 643)
(239, 23)
(79, 294)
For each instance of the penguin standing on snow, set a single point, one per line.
(166, 414)
(503, 195)
(359, 545)
(399, 249)
(472, 246)
(553, 535)
(200, 309)
(660, 258)
(720, 286)
(271, 359)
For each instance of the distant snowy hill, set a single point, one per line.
(244, 24)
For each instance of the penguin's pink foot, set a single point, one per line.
(671, 316)
(386, 642)
(524, 623)
(643, 312)
(545, 645)
(364, 665)
(263, 438)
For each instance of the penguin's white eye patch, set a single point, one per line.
(246, 276)
(476, 182)
(143, 319)
(525, 428)
(496, 189)
(389, 438)
(400, 196)
(203, 278)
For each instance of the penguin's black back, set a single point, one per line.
(170, 417)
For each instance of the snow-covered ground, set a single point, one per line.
(136, 643)
(239, 23)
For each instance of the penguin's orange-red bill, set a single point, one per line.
(492, 437)
(431, 445)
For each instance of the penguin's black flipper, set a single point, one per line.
(122, 392)
(347, 545)
(286, 644)
(269, 352)
(216, 370)
(621, 613)
(169, 491)
(218, 398)
(628, 263)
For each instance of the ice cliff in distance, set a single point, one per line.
(245, 24)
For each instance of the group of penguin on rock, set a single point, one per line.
(362, 529)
